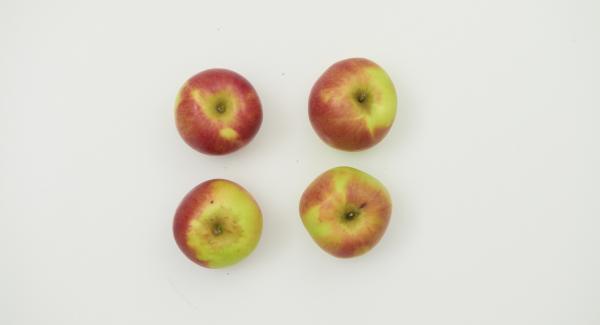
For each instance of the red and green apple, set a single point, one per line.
(346, 211)
(217, 224)
(217, 111)
(353, 104)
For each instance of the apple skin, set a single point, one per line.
(353, 104)
(217, 224)
(217, 111)
(346, 211)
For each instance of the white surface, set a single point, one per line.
(492, 162)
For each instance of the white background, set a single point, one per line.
(493, 162)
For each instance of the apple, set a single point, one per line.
(217, 111)
(217, 224)
(353, 104)
(345, 211)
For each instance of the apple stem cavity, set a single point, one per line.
(349, 216)
(362, 98)
(220, 108)
(217, 229)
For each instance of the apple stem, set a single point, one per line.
(362, 97)
(350, 215)
(217, 230)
